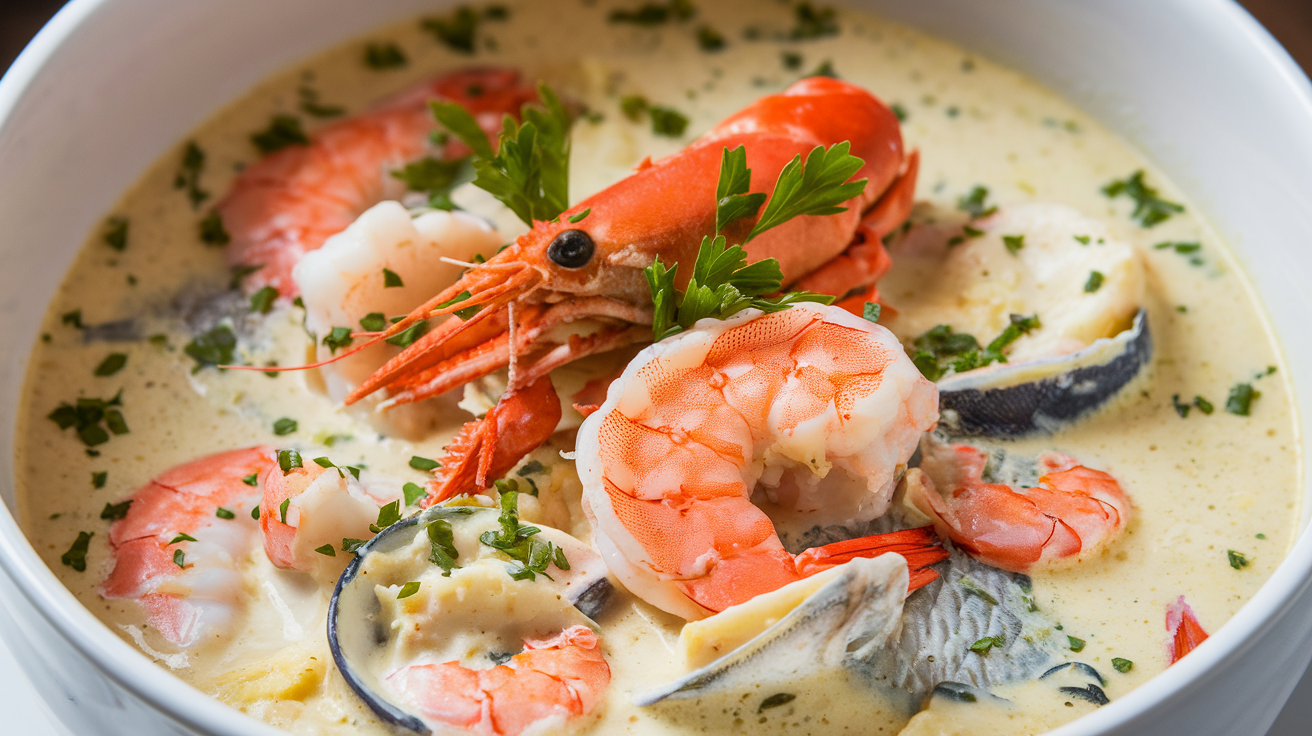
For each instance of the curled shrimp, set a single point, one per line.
(176, 551)
(553, 679)
(1072, 511)
(289, 202)
(712, 438)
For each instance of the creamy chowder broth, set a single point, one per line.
(1210, 466)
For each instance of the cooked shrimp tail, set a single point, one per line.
(1186, 632)
(920, 547)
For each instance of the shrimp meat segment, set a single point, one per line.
(289, 202)
(557, 678)
(176, 556)
(1186, 632)
(1072, 512)
(822, 409)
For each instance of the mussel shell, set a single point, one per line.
(1042, 396)
(359, 603)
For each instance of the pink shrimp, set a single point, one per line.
(558, 678)
(304, 508)
(671, 460)
(290, 201)
(1071, 513)
(175, 552)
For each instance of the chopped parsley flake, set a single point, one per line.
(98, 479)
(408, 590)
(413, 493)
(532, 467)
(459, 29)
(188, 176)
(381, 56)
(255, 512)
(793, 61)
(1076, 644)
(1094, 283)
(390, 279)
(1122, 665)
(974, 203)
(813, 22)
(223, 513)
(115, 511)
(1149, 209)
(709, 39)
(338, 338)
(351, 545)
(1240, 400)
(262, 300)
(212, 231)
(212, 348)
(436, 178)
(653, 14)
(374, 322)
(1203, 405)
(1014, 243)
(251, 480)
(871, 312)
(405, 338)
(579, 217)
(326, 550)
(85, 416)
(76, 556)
(289, 460)
(985, 645)
(284, 426)
(423, 463)
(113, 363)
(940, 350)
(1082, 239)
(442, 540)
(72, 319)
(1237, 559)
(310, 105)
(387, 516)
(282, 509)
(776, 700)
(899, 111)
(1180, 407)
(182, 537)
(116, 233)
(283, 131)
(665, 121)
(516, 541)
(179, 559)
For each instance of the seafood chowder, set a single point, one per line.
(753, 367)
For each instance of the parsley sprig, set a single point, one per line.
(940, 350)
(529, 172)
(722, 285)
(517, 542)
(816, 187)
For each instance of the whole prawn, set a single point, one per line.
(289, 202)
(711, 438)
(575, 285)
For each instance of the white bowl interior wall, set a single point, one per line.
(110, 85)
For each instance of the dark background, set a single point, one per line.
(1290, 21)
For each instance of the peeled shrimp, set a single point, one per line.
(196, 594)
(1072, 512)
(712, 438)
(324, 506)
(289, 202)
(344, 282)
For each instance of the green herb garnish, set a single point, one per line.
(76, 556)
(1076, 644)
(72, 319)
(223, 513)
(116, 233)
(709, 39)
(940, 349)
(871, 312)
(251, 480)
(436, 178)
(1122, 665)
(459, 29)
(338, 338)
(1094, 283)
(813, 22)
(179, 559)
(516, 541)
(381, 56)
(1013, 243)
(974, 203)
(98, 479)
(985, 645)
(391, 279)
(405, 338)
(387, 516)
(652, 14)
(113, 363)
(1237, 559)
(115, 511)
(1203, 405)
(529, 172)
(1240, 400)
(413, 493)
(814, 188)
(212, 231)
(408, 590)
(262, 300)
(374, 322)
(1149, 209)
(85, 415)
(351, 545)
(283, 131)
(442, 540)
(289, 460)
(732, 197)
(284, 426)
(188, 176)
(1180, 407)
(776, 700)
(424, 464)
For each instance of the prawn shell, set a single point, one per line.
(355, 626)
(1045, 395)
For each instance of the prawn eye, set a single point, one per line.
(571, 249)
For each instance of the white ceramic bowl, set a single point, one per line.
(110, 85)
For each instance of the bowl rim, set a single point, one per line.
(134, 671)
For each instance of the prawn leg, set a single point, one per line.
(487, 448)
(920, 547)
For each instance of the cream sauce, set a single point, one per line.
(1201, 485)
